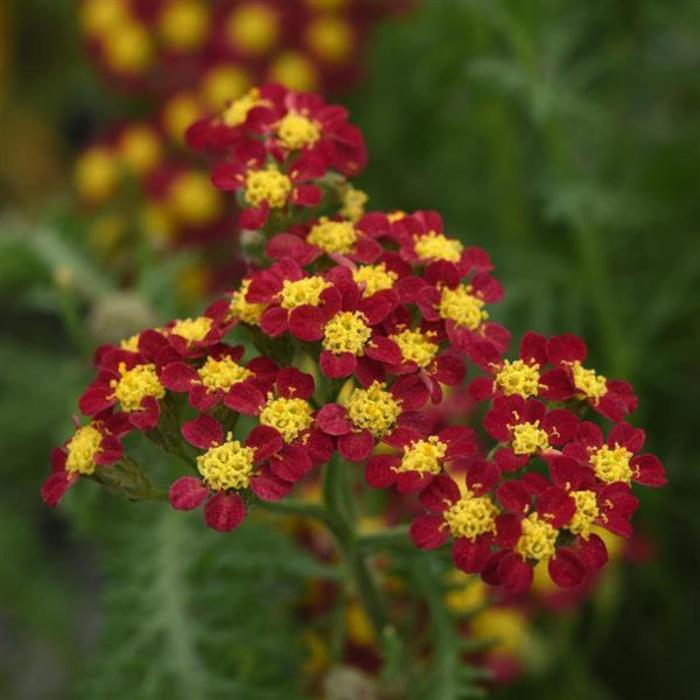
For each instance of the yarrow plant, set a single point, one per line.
(370, 357)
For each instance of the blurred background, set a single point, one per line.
(561, 136)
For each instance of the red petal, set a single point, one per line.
(560, 425)
(440, 494)
(203, 432)
(566, 348)
(177, 376)
(55, 486)
(428, 532)
(379, 471)
(508, 530)
(306, 323)
(244, 398)
(187, 493)
(265, 440)
(356, 447)
(592, 552)
(449, 370)
(533, 349)
(268, 487)
(514, 497)
(482, 476)
(149, 415)
(274, 321)
(224, 511)
(556, 506)
(337, 366)
(291, 383)
(383, 350)
(333, 419)
(291, 464)
(515, 573)
(470, 557)
(320, 447)
(648, 471)
(411, 391)
(96, 399)
(566, 569)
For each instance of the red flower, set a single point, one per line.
(130, 383)
(192, 337)
(422, 241)
(528, 536)
(374, 414)
(423, 458)
(264, 185)
(570, 379)
(339, 239)
(227, 468)
(458, 306)
(521, 377)
(616, 460)
(212, 382)
(286, 408)
(92, 446)
(527, 428)
(296, 302)
(468, 516)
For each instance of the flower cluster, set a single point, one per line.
(389, 317)
(209, 49)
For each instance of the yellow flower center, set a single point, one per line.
(140, 148)
(243, 310)
(333, 236)
(347, 331)
(471, 516)
(253, 28)
(131, 344)
(269, 186)
(529, 438)
(96, 174)
(423, 456)
(330, 37)
(223, 83)
(590, 384)
(586, 513)
(506, 628)
(82, 448)
(416, 346)
(98, 16)
(180, 112)
(222, 374)
(376, 278)
(192, 330)
(183, 25)
(290, 417)
(227, 466)
(127, 47)
(462, 307)
(436, 246)
(194, 200)
(353, 202)
(237, 112)
(303, 292)
(373, 409)
(134, 385)
(296, 131)
(295, 71)
(538, 538)
(518, 377)
(612, 464)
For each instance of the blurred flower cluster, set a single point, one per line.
(360, 330)
(187, 58)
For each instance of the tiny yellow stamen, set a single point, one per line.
(423, 456)
(333, 236)
(193, 330)
(373, 409)
(290, 417)
(586, 513)
(353, 202)
(347, 331)
(306, 291)
(222, 374)
(612, 464)
(375, 278)
(518, 377)
(462, 307)
(131, 344)
(436, 246)
(82, 449)
(134, 385)
(538, 538)
(296, 131)
(529, 438)
(227, 466)
(243, 310)
(471, 516)
(593, 386)
(269, 186)
(416, 346)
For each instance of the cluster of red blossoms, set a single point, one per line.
(390, 318)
